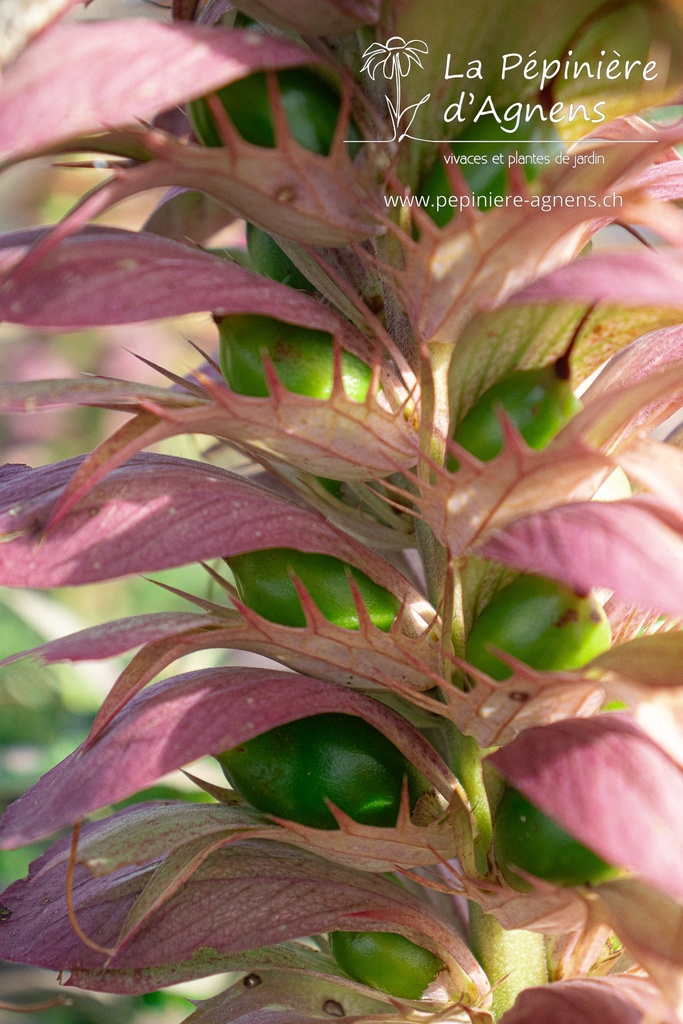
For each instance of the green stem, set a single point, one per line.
(513, 960)
(433, 431)
(465, 759)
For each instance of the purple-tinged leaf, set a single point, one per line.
(100, 392)
(325, 18)
(609, 785)
(288, 956)
(655, 351)
(655, 390)
(464, 507)
(634, 547)
(146, 832)
(361, 848)
(628, 127)
(336, 437)
(610, 329)
(289, 191)
(366, 658)
(176, 721)
(398, 660)
(614, 1000)
(646, 675)
(11, 471)
(283, 998)
(156, 512)
(302, 195)
(494, 713)
(188, 216)
(109, 899)
(110, 276)
(170, 876)
(317, 436)
(663, 181)
(633, 277)
(190, 832)
(657, 466)
(240, 898)
(133, 838)
(116, 75)
(112, 638)
(650, 925)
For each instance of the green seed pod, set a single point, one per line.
(311, 107)
(386, 961)
(541, 623)
(526, 838)
(303, 358)
(263, 580)
(269, 259)
(539, 402)
(291, 770)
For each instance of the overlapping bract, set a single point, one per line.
(166, 892)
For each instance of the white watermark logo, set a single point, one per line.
(395, 59)
(469, 107)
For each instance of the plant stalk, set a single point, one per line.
(465, 760)
(513, 960)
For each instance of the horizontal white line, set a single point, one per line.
(506, 142)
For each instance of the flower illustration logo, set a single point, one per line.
(395, 59)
